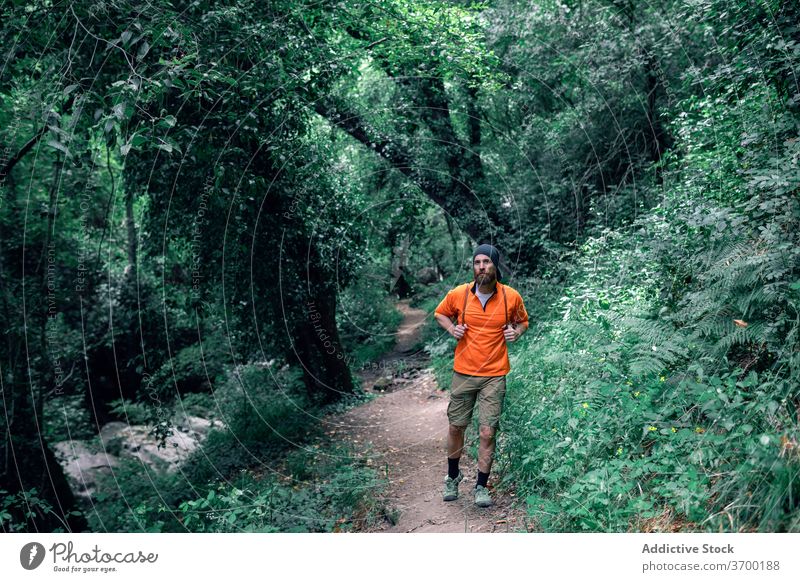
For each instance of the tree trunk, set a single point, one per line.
(319, 350)
(28, 464)
(130, 228)
(315, 342)
(26, 461)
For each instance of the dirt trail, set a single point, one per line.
(403, 433)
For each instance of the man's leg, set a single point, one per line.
(455, 442)
(459, 413)
(490, 404)
(490, 400)
(486, 449)
(485, 455)
(463, 393)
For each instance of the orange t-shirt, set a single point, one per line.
(483, 350)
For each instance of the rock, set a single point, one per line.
(82, 465)
(199, 426)
(112, 429)
(84, 461)
(137, 441)
(428, 275)
(382, 384)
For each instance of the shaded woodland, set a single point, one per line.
(213, 207)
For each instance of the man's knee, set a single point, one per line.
(457, 430)
(487, 433)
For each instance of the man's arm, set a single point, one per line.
(455, 330)
(513, 331)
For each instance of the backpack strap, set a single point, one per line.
(505, 304)
(464, 309)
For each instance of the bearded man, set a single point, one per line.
(483, 316)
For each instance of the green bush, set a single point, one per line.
(66, 417)
(367, 322)
(132, 412)
(265, 410)
(632, 405)
(19, 512)
(134, 498)
(666, 382)
(230, 482)
(340, 497)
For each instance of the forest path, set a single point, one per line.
(403, 434)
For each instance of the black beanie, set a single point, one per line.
(493, 254)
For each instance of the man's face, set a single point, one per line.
(483, 267)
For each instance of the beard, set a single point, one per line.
(485, 278)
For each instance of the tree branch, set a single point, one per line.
(6, 169)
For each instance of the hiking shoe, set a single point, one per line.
(451, 487)
(482, 498)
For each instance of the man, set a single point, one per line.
(482, 316)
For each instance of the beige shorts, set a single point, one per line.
(489, 391)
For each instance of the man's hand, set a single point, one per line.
(458, 331)
(455, 330)
(511, 333)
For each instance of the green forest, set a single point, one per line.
(213, 214)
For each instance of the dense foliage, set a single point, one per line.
(214, 205)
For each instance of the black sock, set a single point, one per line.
(483, 478)
(452, 467)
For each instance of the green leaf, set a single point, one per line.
(59, 146)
